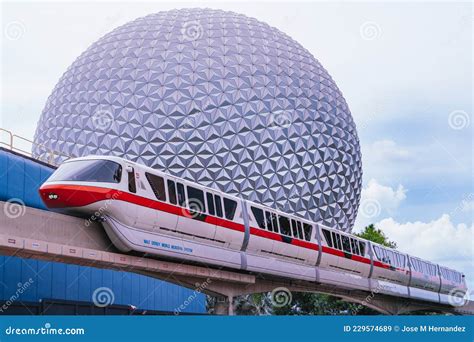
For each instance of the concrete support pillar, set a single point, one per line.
(225, 306)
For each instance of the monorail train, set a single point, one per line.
(145, 210)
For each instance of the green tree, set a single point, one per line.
(256, 304)
(373, 234)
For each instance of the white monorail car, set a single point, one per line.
(145, 210)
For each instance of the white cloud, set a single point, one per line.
(440, 241)
(387, 150)
(389, 198)
(467, 206)
(377, 200)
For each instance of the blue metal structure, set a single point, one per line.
(20, 178)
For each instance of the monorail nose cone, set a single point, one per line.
(72, 195)
(50, 198)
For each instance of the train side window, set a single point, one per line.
(346, 246)
(362, 248)
(336, 238)
(229, 208)
(307, 228)
(378, 252)
(355, 246)
(218, 202)
(443, 273)
(388, 257)
(430, 269)
(172, 192)
(327, 236)
(294, 228)
(258, 214)
(414, 265)
(425, 268)
(352, 242)
(275, 222)
(181, 195)
(268, 218)
(418, 266)
(210, 203)
(196, 199)
(403, 260)
(396, 260)
(284, 225)
(300, 230)
(132, 186)
(157, 184)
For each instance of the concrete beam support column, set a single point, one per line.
(225, 306)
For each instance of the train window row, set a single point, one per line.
(390, 257)
(195, 197)
(344, 243)
(157, 184)
(282, 224)
(423, 267)
(451, 275)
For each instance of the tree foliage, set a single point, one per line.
(373, 234)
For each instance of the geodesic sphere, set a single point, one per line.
(218, 98)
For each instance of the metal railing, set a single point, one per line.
(16, 144)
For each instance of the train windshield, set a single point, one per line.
(88, 171)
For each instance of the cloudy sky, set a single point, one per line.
(405, 70)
